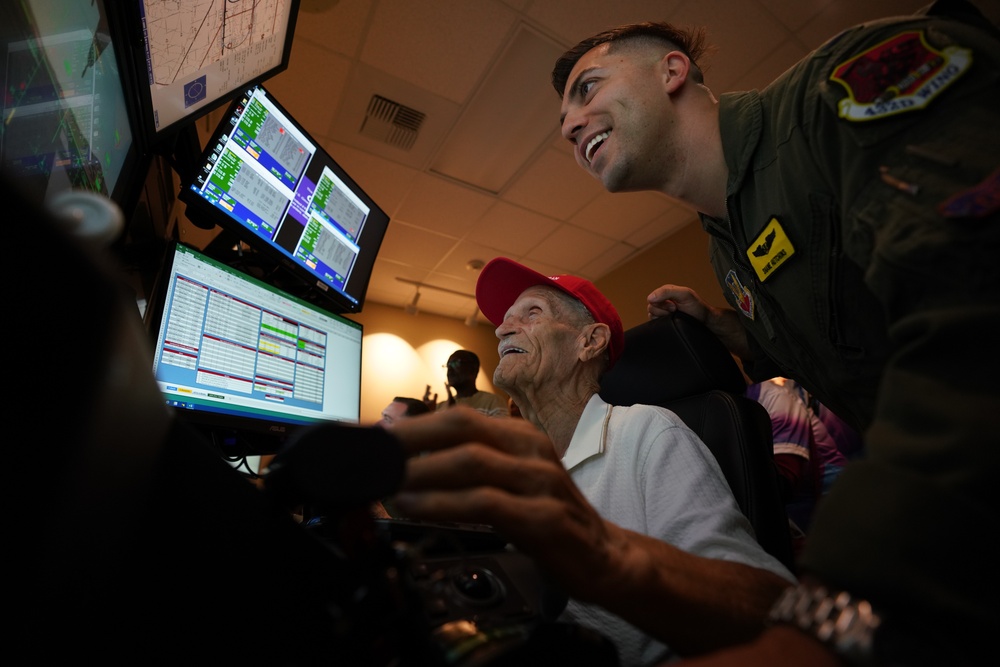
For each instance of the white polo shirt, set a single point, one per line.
(643, 469)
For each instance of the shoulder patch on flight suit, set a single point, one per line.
(742, 296)
(769, 250)
(901, 74)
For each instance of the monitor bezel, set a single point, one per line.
(136, 161)
(204, 214)
(267, 436)
(163, 140)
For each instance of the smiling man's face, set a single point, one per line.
(539, 341)
(618, 116)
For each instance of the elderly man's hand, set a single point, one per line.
(467, 467)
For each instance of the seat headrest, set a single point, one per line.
(669, 358)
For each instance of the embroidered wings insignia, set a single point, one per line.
(765, 247)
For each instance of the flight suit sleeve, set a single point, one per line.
(907, 526)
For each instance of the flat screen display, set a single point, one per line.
(234, 352)
(66, 122)
(192, 56)
(264, 177)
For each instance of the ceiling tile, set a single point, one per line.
(440, 205)
(454, 269)
(335, 25)
(607, 260)
(413, 246)
(839, 15)
(442, 46)
(511, 229)
(384, 285)
(672, 219)
(442, 303)
(581, 18)
(544, 268)
(554, 186)
(617, 215)
(519, 5)
(776, 62)
(508, 119)
(733, 51)
(794, 14)
(570, 248)
(312, 112)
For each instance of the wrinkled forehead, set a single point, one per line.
(556, 300)
(526, 300)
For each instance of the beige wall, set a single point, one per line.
(404, 353)
(681, 259)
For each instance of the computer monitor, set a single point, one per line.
(263, 177)
(236, 354)
(67, 119)
(189, 58)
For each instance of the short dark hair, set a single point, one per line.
(467, 358)
(690, 41)
(414, 406)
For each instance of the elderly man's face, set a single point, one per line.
(540, 341)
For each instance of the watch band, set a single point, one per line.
(845, 624)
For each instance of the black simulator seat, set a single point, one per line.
(675, 362)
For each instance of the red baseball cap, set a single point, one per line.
(502, 281)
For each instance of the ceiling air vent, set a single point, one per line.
(391, 122)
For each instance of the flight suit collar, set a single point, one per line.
(741, 126)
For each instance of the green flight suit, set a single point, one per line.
(863, 247)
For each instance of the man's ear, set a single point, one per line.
(674, 68)
(596, 338)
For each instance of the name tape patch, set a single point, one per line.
(769, 250)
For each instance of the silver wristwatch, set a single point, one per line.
(845, 624)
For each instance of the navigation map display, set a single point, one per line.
(196, 54)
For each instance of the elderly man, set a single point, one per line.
(640, 467)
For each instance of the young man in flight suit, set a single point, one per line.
(853, 212)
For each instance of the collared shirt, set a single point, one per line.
(644, 470)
